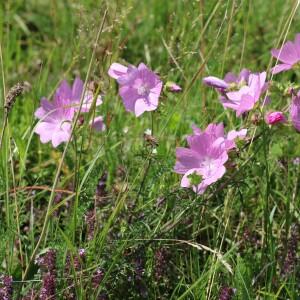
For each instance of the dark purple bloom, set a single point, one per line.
(6, 290)
(48, 287)
(226, 293)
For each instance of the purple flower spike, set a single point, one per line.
(289, 55)
(295, 111)
(215, 82)
(140, 88)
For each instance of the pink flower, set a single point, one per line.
(216, 82)
(295, 111)
(220, 138)
(203, 162)
(140, 88)
(75, 94)
(246, 97)
(56, 117)
(173, 87)
(239, 93)
(98, 124)
(275, 117)
(289, 55)
(230, 80)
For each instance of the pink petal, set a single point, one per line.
(45, 131)
(117, 70)
(140, 107)
(77, 89)
(129, 96)
(280, 68)
(288, 53)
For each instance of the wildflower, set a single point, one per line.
(220, 138)
(48, 287)
(296, 161)
(275, 117)
(289, 55)
(230, 80)
(6, 290)
(241, 92)
(173, 87)
(47, 264)
(98, 124)
(203, 162)
(75, 93)
(246, 97)
(226, 293)
(56, 117)
(295, 111)
(97, 277)
(216, 82)
(140, 88)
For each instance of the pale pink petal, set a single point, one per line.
(117, 70)
(140, 107)
(280, 68)
(77, 89)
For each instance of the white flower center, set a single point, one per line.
(143, 90)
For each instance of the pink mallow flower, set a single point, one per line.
(295, 111)
(202, 163)
(76, 92)
(56, 117)
(140, 88)
(227, 141)
(289, 55)
(241, 92)
(275, 117)
(246, 97)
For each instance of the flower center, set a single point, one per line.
(143, 90)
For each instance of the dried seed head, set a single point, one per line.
(14, 92)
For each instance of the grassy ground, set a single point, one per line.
(147, 237)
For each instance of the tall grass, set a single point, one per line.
(110, 193)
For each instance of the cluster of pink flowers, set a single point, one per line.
(203, 162)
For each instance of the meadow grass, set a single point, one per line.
(111, 194)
